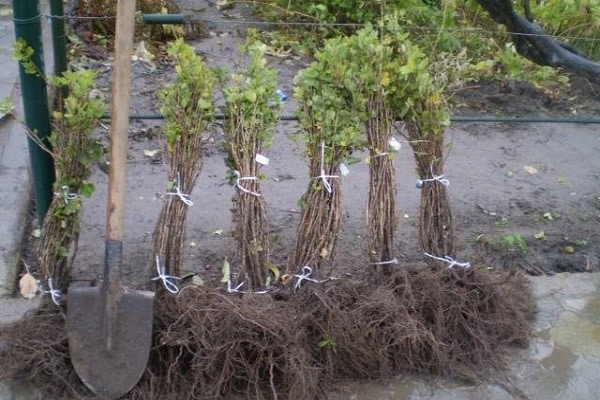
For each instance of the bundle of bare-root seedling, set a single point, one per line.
(419, 101)
(209, 344)
(381, 202)
(436, 229)
(251, 108)
(331, 115)
(187, 107)
(74, 152)
(375, 60)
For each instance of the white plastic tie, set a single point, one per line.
(236, 289)
(393, 261)
(233, 289)
(182, 196)
(55, 294)
(305, 276)
(66, 194)
(323, 177)
(167, 280)
(438, 178)
(450, 261)
(238, 182)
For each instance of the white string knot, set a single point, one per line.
(177, 192)
(238, 182)
(66, 194)
(55, 294)
(323, 177)
(167, 280)
(450, 261)
(236, 289)
(438, 178)
(305, 276)
(233, 289)
(393, 261)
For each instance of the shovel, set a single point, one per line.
(109, 328)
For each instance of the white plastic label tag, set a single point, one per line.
(396, 145)
(343, 169)
(262, 159)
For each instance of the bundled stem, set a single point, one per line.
(436, 229)
(74, 152)
(419, 100)
(320, 222)
(371, 57)
(331, 114)
(252, 110)
(187, 106)
(381, 203)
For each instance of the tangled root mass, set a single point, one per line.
(208, 344)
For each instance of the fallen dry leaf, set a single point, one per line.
(28, 286)
(151, 153)
(226, 270)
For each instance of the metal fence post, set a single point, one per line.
(26, 15)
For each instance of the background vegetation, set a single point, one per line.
(460, 32)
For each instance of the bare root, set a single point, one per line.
(208, 344)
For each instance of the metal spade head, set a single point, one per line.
(110, 361)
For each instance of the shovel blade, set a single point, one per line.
(109, 373)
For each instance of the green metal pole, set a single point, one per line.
(163, 19)
(26, 15)
(59, 40)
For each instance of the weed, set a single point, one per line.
(514, 243)
(502, 222)
(506, 244)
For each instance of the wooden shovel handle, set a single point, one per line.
(119, 124)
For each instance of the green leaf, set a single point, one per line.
(86, 190)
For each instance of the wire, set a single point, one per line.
(456, 119)
(222, 21)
